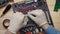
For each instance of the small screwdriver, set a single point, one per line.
(6, 10)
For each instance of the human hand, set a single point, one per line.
(39, 18)
(17, 21)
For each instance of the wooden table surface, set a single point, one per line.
(55, 15)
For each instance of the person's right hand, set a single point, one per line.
(39, 18)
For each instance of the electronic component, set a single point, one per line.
(30, 27)
(29, 6)
(24, 7)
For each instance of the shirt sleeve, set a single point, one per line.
(51, 30)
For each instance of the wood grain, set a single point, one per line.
(55, 15)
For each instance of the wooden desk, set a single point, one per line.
(55, 15)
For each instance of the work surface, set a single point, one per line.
(55, 15)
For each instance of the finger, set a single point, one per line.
(34, 12)
(19, 12)
(31, 16)
(25, 20)
(35, 0)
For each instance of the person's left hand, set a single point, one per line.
(17, 21)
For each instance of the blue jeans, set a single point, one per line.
(51, 30)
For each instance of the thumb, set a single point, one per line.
(25, 20)
(31, 16)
